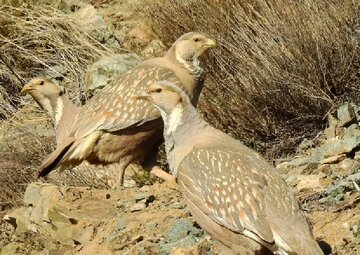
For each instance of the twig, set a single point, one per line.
(12, 70)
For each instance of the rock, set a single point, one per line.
(144, 196)
(309, 182)
(181, 229)
(184, 242)
(351, 131)
(333, 159)
(154, 48)
(107, 69)
(138, 207)
(357, 155)
(90, 18)
(338, 146)
(346, 167)
(346, 115)
(141, 35)
(178, 205)
(121, 224)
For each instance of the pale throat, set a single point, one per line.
(172, 120)
(192, 65)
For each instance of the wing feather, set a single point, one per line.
(221, 183)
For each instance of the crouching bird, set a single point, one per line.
(233, 193)
(115, 127)
(54, 100)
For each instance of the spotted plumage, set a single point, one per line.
(233, 192)
(115, 127)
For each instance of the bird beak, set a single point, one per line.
(28, 87)
(144, 96)
(210, 43)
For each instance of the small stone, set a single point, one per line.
(121, 224)
(152, 225)
(357, 155)
(178, 205)
(324, 200)
(333, 159)
(309, 182)
(145, 197)
(129, 183)
(138, 207)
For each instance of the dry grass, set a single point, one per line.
(38, 39)
(281, 65)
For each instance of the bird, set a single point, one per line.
(54, 100)
(232, 191)
(113, 126)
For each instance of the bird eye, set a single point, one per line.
(196, 39)
(158, 90)
(42, 83)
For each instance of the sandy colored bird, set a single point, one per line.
(114, 126)
(54, 100)
(233, 193)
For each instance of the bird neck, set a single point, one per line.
(192, 64)
(181, 127)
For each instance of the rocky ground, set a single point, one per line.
(152, 218)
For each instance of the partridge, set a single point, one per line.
(233, 193)
(115, 127)
(54, 100)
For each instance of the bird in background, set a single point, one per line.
(54, 100)
(114, 126)
(233, 192)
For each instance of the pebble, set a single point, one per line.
(138, 207)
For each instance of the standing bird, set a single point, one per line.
(233, 192)
(115, 127)
(54, 100)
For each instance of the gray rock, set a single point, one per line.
(346, 115)
(121, 224)
(352, 131)
(145, 197)
(107, 69)
(138, 207)
(184, 242)
(338, 146)
(96, 24)
(181, 229)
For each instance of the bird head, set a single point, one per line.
(165, 95)
(190, 46)
(40, 88)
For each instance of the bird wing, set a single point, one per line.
(223, 184)
(116, 107)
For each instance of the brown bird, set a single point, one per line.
(115, 127)
(233, 192)
(54, 100)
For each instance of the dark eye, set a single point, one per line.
(41, 83)
(196, 39)
(158, 90)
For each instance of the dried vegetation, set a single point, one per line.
(37, 39)
(281, 65)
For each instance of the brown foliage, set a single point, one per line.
(280, 67)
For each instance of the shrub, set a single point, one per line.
(281, 65)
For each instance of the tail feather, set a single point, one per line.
(55, 158)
